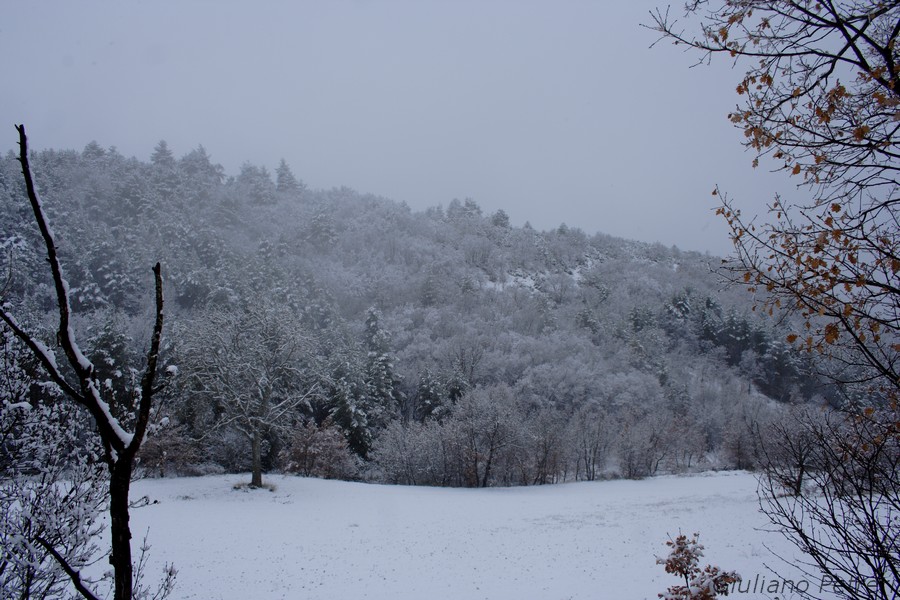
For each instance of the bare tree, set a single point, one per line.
(790, 448)
(847, 526)
(119, 446)
(253, 366)
(486, 422)
(591, 435)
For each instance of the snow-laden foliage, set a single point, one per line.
(704, 583)
(251, 368)
(628, 356)
(320, 451)
(52, 492)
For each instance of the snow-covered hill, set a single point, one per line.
(312, 539)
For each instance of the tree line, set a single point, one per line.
(336, 334)
(292, 306)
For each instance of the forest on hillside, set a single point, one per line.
(338, 334)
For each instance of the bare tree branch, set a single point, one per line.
(74, 575)
(120, 446)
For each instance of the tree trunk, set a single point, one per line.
(120, 448)
(798, 480)
(256, 477)
(120, 559)
(487, 467)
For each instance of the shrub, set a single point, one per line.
(699, 584)
(320, 451)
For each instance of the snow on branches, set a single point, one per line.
(699, 584)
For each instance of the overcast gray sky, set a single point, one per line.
(556, 111)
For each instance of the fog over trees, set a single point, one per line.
(336, 334)
(446, 347)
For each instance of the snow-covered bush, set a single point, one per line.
(320, 451)
(52, 495)
(699, 584)
(417, 454)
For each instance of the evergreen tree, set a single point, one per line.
(321, 233)
(110, 351)
(345, 395)
(162, 156)
(285, 181)
(165, 175)
(201, 177)
(256, 185)
(500, 219)
(93, 152)
(381, 380)
(430, 397)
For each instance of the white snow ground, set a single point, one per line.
(312, 539)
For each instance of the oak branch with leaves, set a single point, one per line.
(699, 584)
(820, 100)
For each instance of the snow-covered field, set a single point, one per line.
(313, 539)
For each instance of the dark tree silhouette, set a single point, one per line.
(120, 446)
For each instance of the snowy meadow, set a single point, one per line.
(316, 539)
